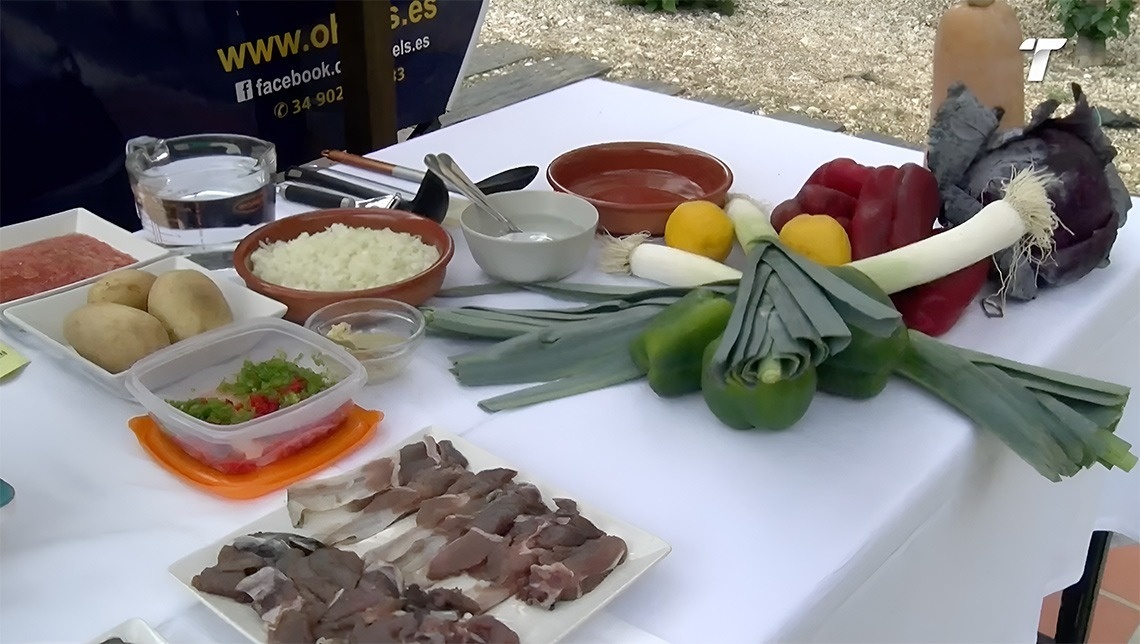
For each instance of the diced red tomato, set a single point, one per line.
(296, 387)
(262, 405)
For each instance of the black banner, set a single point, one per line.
(80, 77)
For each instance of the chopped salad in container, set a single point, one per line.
(248, 394)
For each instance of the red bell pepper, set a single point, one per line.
(884, 208)
(935, 307)
(815, 200)
(845, 175)
(831, 190)
(896, 207)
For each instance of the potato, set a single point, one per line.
(187, 302)
(114, 336)
(129, 288)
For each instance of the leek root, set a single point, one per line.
(631, 255)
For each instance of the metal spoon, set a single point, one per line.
(444, 166)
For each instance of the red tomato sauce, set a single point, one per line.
(57, 261)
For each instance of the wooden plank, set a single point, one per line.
(369, 86)
(889, 140)
(668, 89)
(486, 58)
(520, 84)
(727, 102)
(800, 119)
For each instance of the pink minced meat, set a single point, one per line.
(57, 261)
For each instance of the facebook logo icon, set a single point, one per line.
(244, 90)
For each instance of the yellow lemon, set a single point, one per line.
(820, 238)
(700, 227)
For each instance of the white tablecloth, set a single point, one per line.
(820, 533)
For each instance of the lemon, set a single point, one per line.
(820, 238)
(700, 227)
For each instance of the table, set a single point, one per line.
(821, 533)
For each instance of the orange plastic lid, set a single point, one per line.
(356, 430)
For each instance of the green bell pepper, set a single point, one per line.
(670, 348)
(761, 405)
(863, 368)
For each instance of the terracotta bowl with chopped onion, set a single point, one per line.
(303, 302)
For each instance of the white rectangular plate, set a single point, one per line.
(43, 318)
(533, 625)
(77, 220)
(134, 631)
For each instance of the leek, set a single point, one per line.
(630, 255)
(1058, 423)
(1022, 219)
(566, 351)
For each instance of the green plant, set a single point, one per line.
(1093, 20)
(726, 7)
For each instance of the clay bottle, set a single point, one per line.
(978, 43)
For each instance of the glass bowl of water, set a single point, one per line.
(203, 189)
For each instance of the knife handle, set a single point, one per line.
(310, 176)
(316, 197)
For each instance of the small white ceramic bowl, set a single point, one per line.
(570, 220)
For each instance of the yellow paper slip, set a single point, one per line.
(10, 361)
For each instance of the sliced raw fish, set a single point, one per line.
(233, 566)
(274, 545)
(578, 573)
(388, 507)
(271, 592)
(447, 515)
(353, 490)
(335, 492)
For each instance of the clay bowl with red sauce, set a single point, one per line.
(414, 291)
(635, 185)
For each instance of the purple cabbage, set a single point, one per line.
(970, 160)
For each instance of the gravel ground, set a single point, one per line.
(849, 61)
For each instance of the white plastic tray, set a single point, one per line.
(134, 631)
(77, 220)
(43, 317)
(533, 625)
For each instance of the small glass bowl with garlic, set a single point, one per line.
(382, 334)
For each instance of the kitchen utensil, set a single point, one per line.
(445, 166)
(570, 221)
(636, 185)
(201, 189)
(383, 188)
(415, 290)
(7, 493)
(512, 179)
(311, 176)
(431, 199)
(318, 198)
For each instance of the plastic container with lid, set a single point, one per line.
(196, 366)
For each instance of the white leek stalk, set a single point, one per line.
(751, 220)
(1023, 219)
(630, 255)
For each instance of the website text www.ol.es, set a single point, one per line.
(319, 36)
